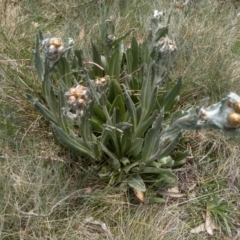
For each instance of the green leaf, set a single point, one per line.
(105, 64)
(150, 144)
(79, 147)
(180, 157)
(123, 126)
(115, 62)
(166, 161)
(104, 172)
(148, 93)
(169, 148)
(38, 60)
(114, 90)
(135, 55)
(42, 109)
(125, 161)
(63, 122)
(129, 58)
(97, 59)
(118, 40)
(118, 103)
(144, 52)
(84, 123)
(156, 200)
(79, 55)
(40, 35)
(136, 182)
(179, 163)
(114, 178)
(162, 32)
(178, 114)
(127, 168)
(131, 83)
(114, 163)
(98, 113)
(151, 170)
(167, 143)
(48, 92)
(170, 99)
(97, 125)
(136, 147)
(65, 71)
(131, 108)
(143, 127)
(109, 153)
(161, 171)
(151, 141)
(124, 141)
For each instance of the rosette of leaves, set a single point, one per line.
(121, 124)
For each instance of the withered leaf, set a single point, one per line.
(139, 195)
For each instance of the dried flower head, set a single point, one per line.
(77, 99)
(101, 80)
(166, 45)
(53, 47)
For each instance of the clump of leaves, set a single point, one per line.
(112, 109)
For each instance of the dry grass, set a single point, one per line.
(36, 174)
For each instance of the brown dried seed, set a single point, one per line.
(236, 107)
(233, 119)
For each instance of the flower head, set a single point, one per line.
(224, 114)
(77, 99)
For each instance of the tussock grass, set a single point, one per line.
(36, 174)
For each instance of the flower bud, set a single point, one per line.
(56, 42)
(71, 99)
(236, 107)
(52, 48)
(203, 113)
(233, 119)
(60, 50)
(81, 101)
